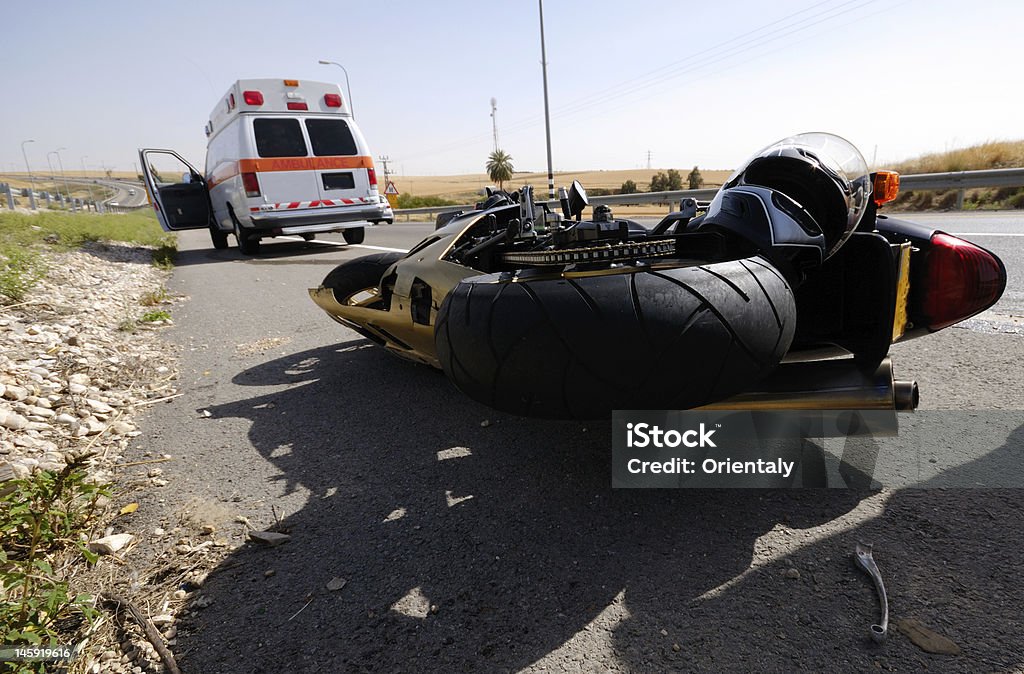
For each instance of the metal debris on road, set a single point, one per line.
(867, 562)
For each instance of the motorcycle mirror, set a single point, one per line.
(577, 200)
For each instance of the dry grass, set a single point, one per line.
(991, 155)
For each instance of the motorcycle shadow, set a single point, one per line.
(464, 545)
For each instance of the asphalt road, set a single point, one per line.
(467, 546)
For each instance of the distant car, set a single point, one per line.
(389, 215)
(131, 192)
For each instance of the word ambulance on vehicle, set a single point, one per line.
(283, 157)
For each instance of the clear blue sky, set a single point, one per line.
(693, 83)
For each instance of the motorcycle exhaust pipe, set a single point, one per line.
(826, 385)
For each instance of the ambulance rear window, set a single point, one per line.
(279, 138)
(330, 137)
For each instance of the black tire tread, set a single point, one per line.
(649, 339)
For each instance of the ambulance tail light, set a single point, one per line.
(332, 100)
(295, 105)
(372, 173)
(252, 97)
(251, 184)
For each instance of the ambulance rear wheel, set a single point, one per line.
(248, 244)
(308, 237)
(354, 235)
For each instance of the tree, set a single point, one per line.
(499, 167)
(628, 187)
(659, 183)
(695, 179)
(674, 180)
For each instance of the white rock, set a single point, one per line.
(77, 389)
(99, 407)
(12, 392)
(121, 427)
(80, 379)
(67, 419)
(108, 545)
(13, 421)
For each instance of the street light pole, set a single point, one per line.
(31, 180)
(348, 88)
(67, 191)
(88, 185)
(547, 115)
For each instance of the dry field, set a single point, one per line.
(467, 187)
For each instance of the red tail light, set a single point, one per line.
(252, 97)
(372, 173)
(332, 100)
(961, 280)
(295, 105)
(251, 184)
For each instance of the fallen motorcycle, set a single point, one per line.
(743, 302)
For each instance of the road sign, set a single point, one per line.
(391, 189)
(392, 200)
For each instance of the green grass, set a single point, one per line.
(20, 269)
(71, 230)
(23, 236)
(42, 522)
(154, 316)
(411, 201)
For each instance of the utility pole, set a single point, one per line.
(384, 159)
(648, 160)
(547, 113)
(494, 120)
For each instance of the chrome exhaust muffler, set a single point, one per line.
(826, 385)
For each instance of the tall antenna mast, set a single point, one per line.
(494, 120)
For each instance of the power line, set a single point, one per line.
(696, 61)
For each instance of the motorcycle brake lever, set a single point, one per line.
(867, 562)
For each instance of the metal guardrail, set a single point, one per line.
(962, 180)
(36, 199)
(957, 180)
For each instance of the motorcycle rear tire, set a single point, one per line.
(581, 347)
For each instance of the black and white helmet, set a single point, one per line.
(798, 199)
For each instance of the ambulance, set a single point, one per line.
(283, 157)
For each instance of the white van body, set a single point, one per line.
(282, 157)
